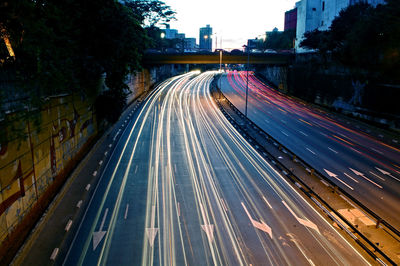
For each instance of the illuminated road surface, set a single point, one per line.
(184, 188)
(363, 166)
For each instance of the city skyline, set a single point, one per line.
(223, 18)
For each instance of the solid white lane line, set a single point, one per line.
(311, 151)
(381, 178)
(355, 180)
(332, 150)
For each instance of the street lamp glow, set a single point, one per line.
(162, 35)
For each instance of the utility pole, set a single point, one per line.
(247, 78)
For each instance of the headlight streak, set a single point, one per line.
(184, 105)
(251, 155)
(106, 246)
(97, 217)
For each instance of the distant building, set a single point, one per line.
(180, 36)
(205, 38)
(319, 14)
(254, 44)
(170, 33)
(190, 45)
(291, 19)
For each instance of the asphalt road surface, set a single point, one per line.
(360, 164)
(183, 187)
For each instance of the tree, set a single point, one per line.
(150, 12)
(363, 38)
(280, 40)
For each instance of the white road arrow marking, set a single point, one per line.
(387, 173)
(151, 232)
(209, 230)
(261, 226)
(335, 176)
(207, 227)
(356, 172)
(363, 176)
(98, 236)
(304, 222)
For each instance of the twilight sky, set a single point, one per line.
(233, 20)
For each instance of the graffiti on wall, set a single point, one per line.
(28, 166)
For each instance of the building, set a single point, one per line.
(205, 39)
(291, 19)
(190, 45)
(319, 14)
(180, 36)
(170, 33)
(254, 44)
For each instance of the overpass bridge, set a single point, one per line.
(260, 59)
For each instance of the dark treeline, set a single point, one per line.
(363, 38)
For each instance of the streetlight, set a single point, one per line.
(220, 60)
(162, 35)
(247, 78)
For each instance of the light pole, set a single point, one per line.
(220, 60)
(220, 71)
(247, 79)
(162, 35)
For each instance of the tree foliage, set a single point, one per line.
(280, 40)
(150, 12)
(363, 37)
(66, 46)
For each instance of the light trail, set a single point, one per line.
(199, 172)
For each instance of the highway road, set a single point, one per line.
(182, 187)
(362, 165)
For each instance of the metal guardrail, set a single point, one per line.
(304, 187)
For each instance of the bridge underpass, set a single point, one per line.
(259, 59)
